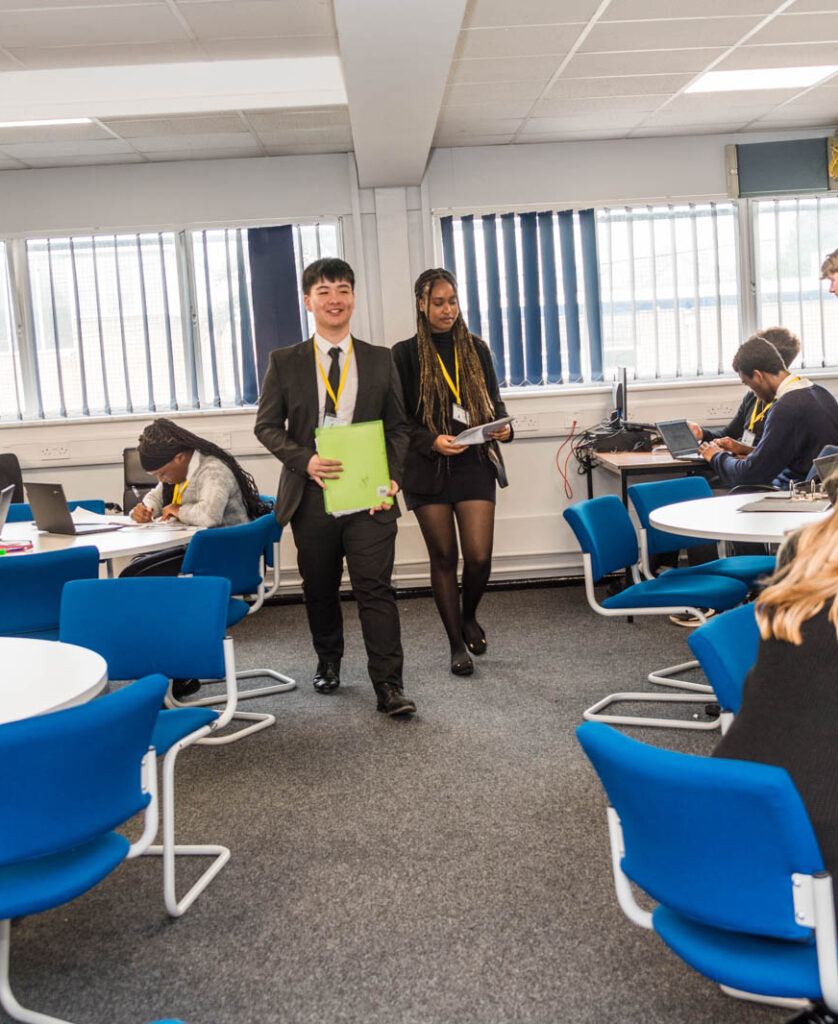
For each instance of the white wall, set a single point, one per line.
(387, 235)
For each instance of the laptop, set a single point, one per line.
(52, 513)
(679, 439)
(6, 496)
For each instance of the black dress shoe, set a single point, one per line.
(327, 677)
(392, 701)
(475, 637)
(185, 687)
(461, 664)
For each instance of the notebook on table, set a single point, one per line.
(52, 513)
(772, 503)
(679, 439)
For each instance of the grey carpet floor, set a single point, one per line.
(449, 868)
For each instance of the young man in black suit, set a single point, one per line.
(331, 379)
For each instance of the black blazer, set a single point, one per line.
(423, 467)
(289, 407)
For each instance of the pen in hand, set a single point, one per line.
(141, 513)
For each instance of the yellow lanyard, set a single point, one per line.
(334, 397)
(177, 497)
(754, 418)
(455, 388)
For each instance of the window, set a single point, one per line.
(148, 322)
(792, 236)
(669, 289)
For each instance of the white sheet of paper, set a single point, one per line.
(83, 515)
(478, 435)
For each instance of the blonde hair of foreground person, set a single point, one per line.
(801, 586)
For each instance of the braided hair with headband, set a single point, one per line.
(433, 389)
(162, 440)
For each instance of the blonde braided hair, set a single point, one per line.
(433, 388)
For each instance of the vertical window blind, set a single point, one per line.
(792, 236)
(147, 322)
(529, 284)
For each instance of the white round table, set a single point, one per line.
(45, 675)
(720, 519)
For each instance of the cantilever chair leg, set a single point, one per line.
(593, 713)
(7, 998)
(663, 677)
(783, 1001)
(283, 684)
(169, 850)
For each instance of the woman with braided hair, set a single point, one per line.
(450, 385)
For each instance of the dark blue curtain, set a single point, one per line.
(276, 303)
(590, 271)
(490, 248)
(472, 292)
(532, 304)
(551, 298)
(446, 225)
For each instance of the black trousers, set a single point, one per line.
(368, 545)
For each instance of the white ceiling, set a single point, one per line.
(417, 73)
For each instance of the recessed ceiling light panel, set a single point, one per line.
(46, 124)
(762, 78)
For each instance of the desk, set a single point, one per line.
(719, 519)
(627, 464)
(45, 675)
(133, 540)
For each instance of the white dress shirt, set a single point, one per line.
(346, 404)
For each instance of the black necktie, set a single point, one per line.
(334, 381)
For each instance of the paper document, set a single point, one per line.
(83, 517)
(479, 435)
(365, 479)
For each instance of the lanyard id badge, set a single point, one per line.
(459, 414)
(334, 421)
(749, 438)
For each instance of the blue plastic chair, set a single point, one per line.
(726, 648)
(175, 627)
(272, 551)
(236, 553)
(71, 778)
(750, 569)
(608, 541)
(727, 850)
(31, 585)
(21, 512)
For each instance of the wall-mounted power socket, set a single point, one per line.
(55, 452)
(721, 411)
(526, 424)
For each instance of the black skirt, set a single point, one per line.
(466, 477)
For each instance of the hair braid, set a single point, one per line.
(165, 435)
(433, 402)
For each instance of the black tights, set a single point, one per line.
(475, 524)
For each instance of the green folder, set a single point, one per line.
(365, 479)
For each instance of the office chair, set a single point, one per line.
(175, 627)
(78, 774)
(726, 648)
(134, 476)
(236, 553)
(272, 551)
(10, 474)
(608, 541)
(750, 569)
(31, 586)
(727, 851)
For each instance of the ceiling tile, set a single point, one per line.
(808, 6)
(174, 155)
(643, 62)
(273, 46)
(444, 142)
(668, 131)
(615, 37)
(33, 150)
(336, 139)
(486, 91)
(44, 58)
(708, 117)
(254, 18)
(802, 55)
(298, 120)
(90, 26)
(191, 124)
(481, 126)
(47, 160)
(517, 42)
(798, 28)
(465, 112)
(574, 135)
(638, 10)
(23, 6)
(580, 122)
(304, 149)
(503, 69)
(493, 13)
(239, 141)
(601, 107)
(54, 133)
(621, 85)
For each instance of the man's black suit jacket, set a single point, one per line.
(289, 409)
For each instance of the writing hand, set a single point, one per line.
(697, 432)
(141, 513)
(446, 444)
(323, 469)
(394, 490)
(170, 512)
(502, 434)
(709, 449)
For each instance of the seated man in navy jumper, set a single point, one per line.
(802, 419)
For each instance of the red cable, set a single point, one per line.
(568, 490)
